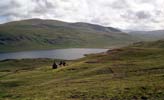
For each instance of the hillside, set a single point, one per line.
(129, 73)
(156, 44)
(148, 35)
(47, 34)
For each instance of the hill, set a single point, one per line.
(148, 35)
(47, 34)
(153, 44)
(129, 73)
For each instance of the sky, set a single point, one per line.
(122, 14)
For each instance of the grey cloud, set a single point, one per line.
(139, 14)
(122, 4)
(41, 6)
(143, 15)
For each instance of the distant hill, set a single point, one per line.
(35, 34)
(148, 35)
(153, 44)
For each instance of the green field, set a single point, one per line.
(130, 73)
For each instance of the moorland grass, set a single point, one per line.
(130, 73)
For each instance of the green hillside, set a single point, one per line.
(156, 44)
(129, 73)
(47, 34)
(148, 35)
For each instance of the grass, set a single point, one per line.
(131, 73)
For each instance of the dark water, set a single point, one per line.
(67, 54)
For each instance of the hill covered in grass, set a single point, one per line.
(156, 44)
(148, 35)
(47, 34)
(129, 73)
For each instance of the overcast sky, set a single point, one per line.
(123, 14)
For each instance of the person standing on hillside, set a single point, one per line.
(54, 66)
(62, 63)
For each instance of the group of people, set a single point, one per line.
(61, 63)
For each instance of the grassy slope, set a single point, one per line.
(122, 74)
(46, 34)
(156, 44)
(148, 35)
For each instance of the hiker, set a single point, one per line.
(54, 66)
(61, 63)
(64, 63)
